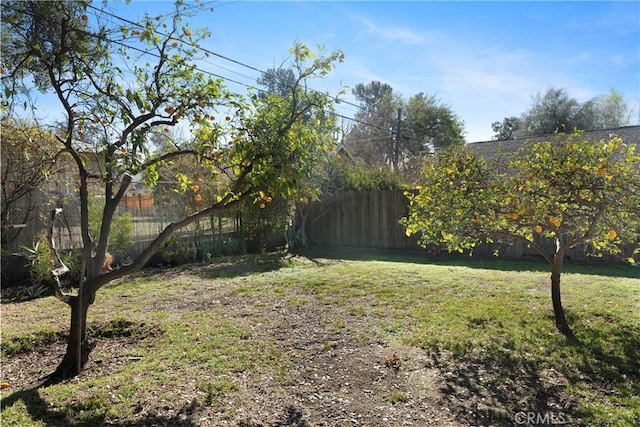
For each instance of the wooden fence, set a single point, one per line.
(360, 219)
(371, 220)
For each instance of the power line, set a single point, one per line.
(103, 37)
(237, 62)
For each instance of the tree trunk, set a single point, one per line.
(78, 345)
(303, 213)
(558, 311)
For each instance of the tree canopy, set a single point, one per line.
(556, 111)
(30, 156)
(390, 130)
(571, 191)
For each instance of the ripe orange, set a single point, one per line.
(612, 234)
(538, 229)
(197, 198)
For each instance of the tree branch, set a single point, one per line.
(534, 245)
(63, 269)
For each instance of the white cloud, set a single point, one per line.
(390, 34)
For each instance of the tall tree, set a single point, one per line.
(391, 131)
(371, 138)
(430, 124)
(556, 111)
(571, 191)
(279, 81)
(506, 129)
(611, 111)
(30, 156)
(552, 111)
(145, 79)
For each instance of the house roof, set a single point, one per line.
(490, 149)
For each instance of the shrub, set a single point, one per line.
(173, 252)
(264, 224)
(345, 176)
(121, 236)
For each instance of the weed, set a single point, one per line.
(27, 342)
(396, 397)
(329, 345)
(217, 390)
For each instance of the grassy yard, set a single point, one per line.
(335, 339)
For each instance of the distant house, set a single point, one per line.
(490, 149)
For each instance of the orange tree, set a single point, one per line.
(571, 190)
(122, 84)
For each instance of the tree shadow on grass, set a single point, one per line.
(292, 417)
(457, 260)
(40, 410)
(489, 386)
(226, 267)
(230, 267)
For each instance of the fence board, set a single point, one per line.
(371, 220)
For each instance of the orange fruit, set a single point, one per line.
(612, 234)
(197, 198)
(538, 229)
(555, 221)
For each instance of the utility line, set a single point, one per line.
(147, 52)
(234, 61)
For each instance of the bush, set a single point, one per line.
(173, 252)
(346, 176)
(264, 224)
(39, 264)
(221, 245)
(121, 235)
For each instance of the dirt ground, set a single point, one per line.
(337, 378)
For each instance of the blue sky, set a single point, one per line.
(483, 59)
